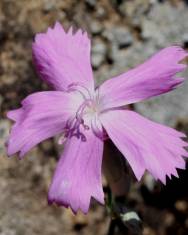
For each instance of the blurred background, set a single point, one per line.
(124, 33)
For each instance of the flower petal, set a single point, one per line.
(43, 115)
(78, 174)
(63, 58)
(145, 144)
(154, 77)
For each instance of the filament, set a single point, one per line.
(80, 88)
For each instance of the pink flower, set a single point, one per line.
(84, 115)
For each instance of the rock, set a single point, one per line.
(90, 3)
(136, 11)
(119, 37)
(48, 6)
(96, 28)
(149, 181)
(101, 12)
(157, 25)
(113, 53)
(4, 131)
(181, 206)
(1, 101)
(123, 37)
(169, 219)
(123, 60)
(185, 40)
(98, 53)
(8, 231)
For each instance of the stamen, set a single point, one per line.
(73, 124)
(97, 100)
(86, 127)
(83, 138)
(80, 88)
(62, 139)
(98, 131)
(79, 113)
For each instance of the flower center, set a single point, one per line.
(86, 116)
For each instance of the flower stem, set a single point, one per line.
(123, 220)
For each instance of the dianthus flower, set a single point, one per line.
(85, 115)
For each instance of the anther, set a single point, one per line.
(83, 138)
(86, 127)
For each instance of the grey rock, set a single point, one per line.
(48, 6)
(90, 3)
(135, 12)
(113, 53)
(108, 34)
(1, 101)
(4, 131)
(101, 12)
(185, 38)
(129, 58)
(124, 60)
(120, 36)
(8, 231)
(96, 27)
(123, 37)
(99, 50)
(164, 26)
(149, 181)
